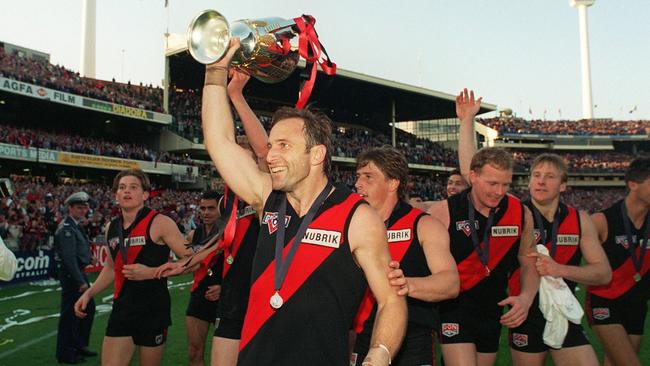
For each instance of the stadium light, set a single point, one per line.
(582, 5)
(88, 37)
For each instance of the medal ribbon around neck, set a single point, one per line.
(282, 266)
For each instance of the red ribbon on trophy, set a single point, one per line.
(310, 48)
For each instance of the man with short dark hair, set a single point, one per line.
(73, 255)
(139, 241)
(206, 287)
(455, 183)
(617, 311)
(419, 242)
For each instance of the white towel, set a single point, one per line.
(7, 262)
(558, 305)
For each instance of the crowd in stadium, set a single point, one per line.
(185, 106)
(30, 137)
(515, 125)
(42, 73)
(351, 141)
(32, 213)
(348, 142)
(586, 162)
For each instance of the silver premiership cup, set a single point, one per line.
(265, 53)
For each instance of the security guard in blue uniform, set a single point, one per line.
(73, 254)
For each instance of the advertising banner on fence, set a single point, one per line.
(40, 92)
(33, 266)
(96, 161)
(18, 152)
(35, 91)
(101, 253)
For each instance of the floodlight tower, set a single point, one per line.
(88, 35)
(587, 105)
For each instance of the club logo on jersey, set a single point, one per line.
(246, 211)
(327, 238)
(398, 235)
(538, 235)
(600, 313)
(465, 227)
(271, 220)
(450, 329)
(622, 240)
(568, 239)
(113, 242)
(505, 231)
(520, 340)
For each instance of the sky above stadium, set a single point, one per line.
(518, 54)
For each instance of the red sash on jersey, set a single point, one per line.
(140, 230)
(470, 270)
(243, 224)
(307, 259)
(563, 254)
(397, 251)
(202, 271)
(622, 278)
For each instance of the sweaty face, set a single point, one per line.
(372, 184)
(208, 211)
(130, 193)
(546, 183)
(490, 184)
(455, 184)
(288, 159)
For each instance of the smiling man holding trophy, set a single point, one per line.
(304, 293)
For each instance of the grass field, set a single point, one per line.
(29, 316)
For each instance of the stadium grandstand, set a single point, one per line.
(60, 131)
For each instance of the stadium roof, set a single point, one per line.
(349, 97)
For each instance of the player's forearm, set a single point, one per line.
(215, 110)
(594, 274)
(529, 278)
(436, 287)
(390, 324)
(105, 278)
(466, 145)
(255, 132)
